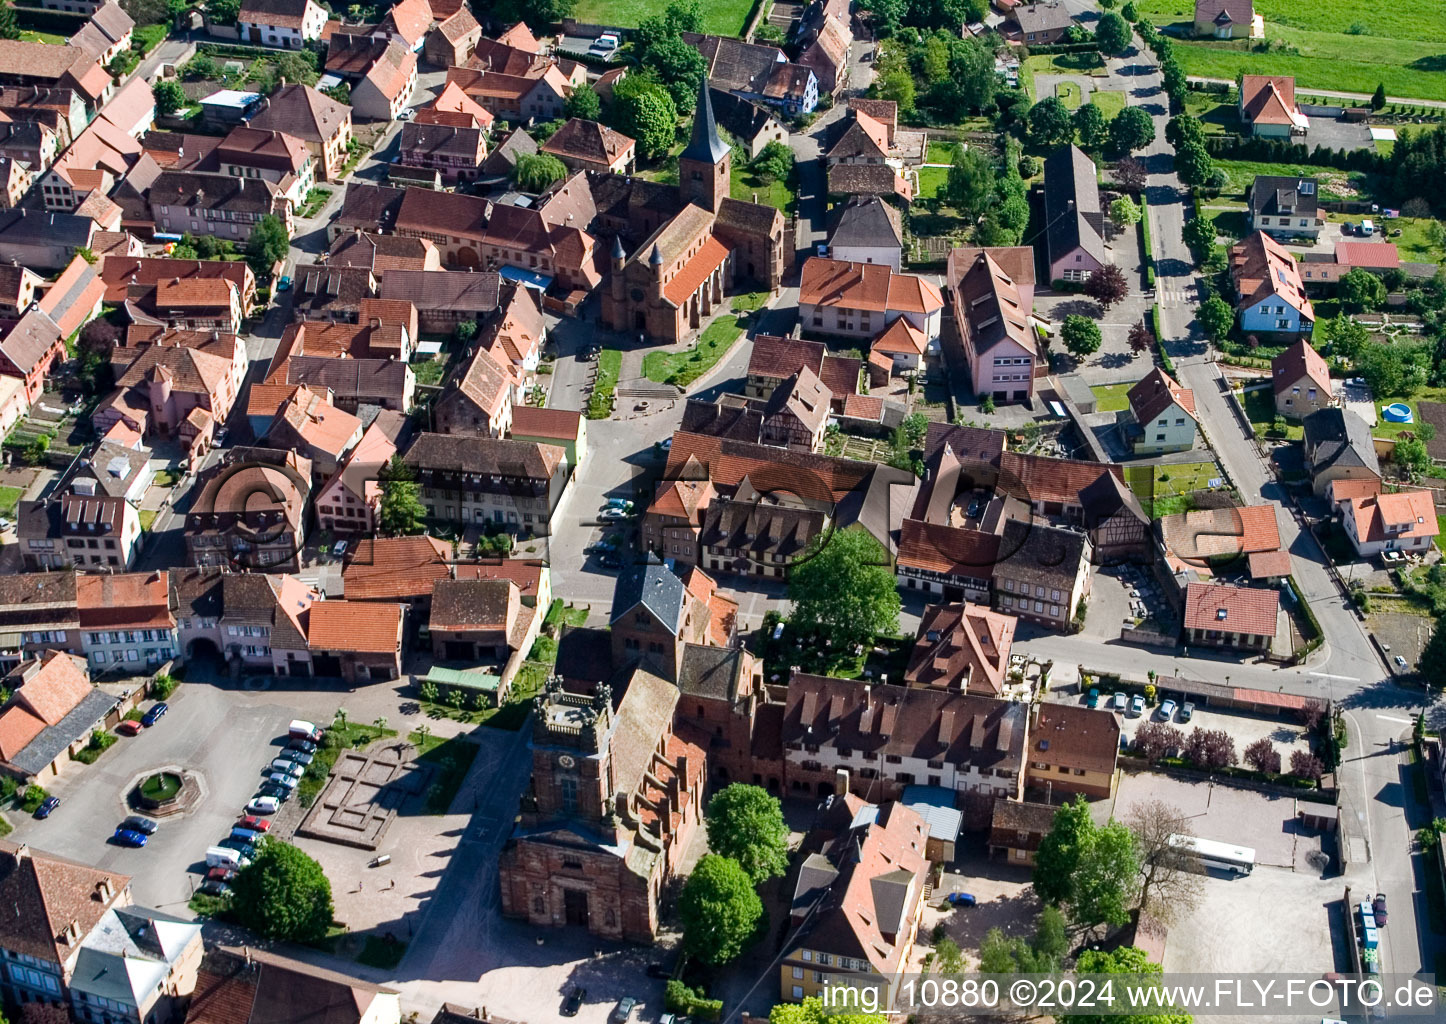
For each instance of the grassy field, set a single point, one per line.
(1260, 410)
(744, 184)
(1068, 93)
(1216, 115)
(1164, 490)
(941, 152)
(682, 368)
(1243, 172)
(1328, 44)
(1110, 103)
(1385, 429)
(1111, 397)
(30, 36)
(10, 500)
(931, 180)
(720, 17)
(1413, 243)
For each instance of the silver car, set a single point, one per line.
(287, 782)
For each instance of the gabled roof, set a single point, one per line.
(45, 893)
(1263, 268)
(1300, 361)
(866, 221)
(865, 286)
(27, 340)
(1219, 12)
(372, 627)
(481, 456)
(1268, 99)
(252, 986)
(989, 304)
(1076, 737)
(579, 139)
(281, 13)
(962, 646)
(302, 111)
(393, 71)
(655, 588)
(409, 19)
(1250, 611)
(1400, 515)
(1071, 199)
(1272, 195)
(1155, 393)
(1047, 16)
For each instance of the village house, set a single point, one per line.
(861, 299)
(359, 642)
(825, 37)
(250, 511)
(657, 613)
(1267, 105)
(126, 624)
(249, 982)
(1017, 828)
(307, 423)
(48, 719)
(38, 608)
(30, 350)
(1043, 573)
(79, 527)
(775, 359)
(479, 398)
(1228, 19)
(1301, 380)
(1075, 230)
(453, 40)
(866, 230)
(456, 151)
(991, 295)
(285, 23)
(383, 92)
(215, 204)
(1223, 615)
(1283, 207)
(475, 482)
(748, 122)
(106, 34)
(963, 647)
(350, 501)
(1270, 296)
(1161, 416)
(1040, 22)
(178, 372)
(319, 121)
(757, 73)
(1403, 521)
(589, 146)
(43, 241)
(135, 282)
(1072, 749)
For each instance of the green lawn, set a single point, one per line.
(1440, 540)
(932, 180)
(720, 17)
(744, 184)
(451, 759)
(1243, 172)
(147, 517)
(1230, 223)
(1111, 397)
(10, 500)
(1217, 116)
(30, 36)
(1109, 102)
(941, 152)
(682, 368)
(1413, 244)
(1260, 410)
(1164, 490)
(609, 365)
(1059, 64)
(1385, 429)
(429, 371)
(1068, 93)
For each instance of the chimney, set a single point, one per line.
(104, 890)
(841, 781)
(281, 82)
(71, 933)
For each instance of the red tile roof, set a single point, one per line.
(1402, 515)
(367, 627)
(561, 424)
(1250, 611)
(1377, 255)
(1298, 361)
(1265, 564)
(709, 257)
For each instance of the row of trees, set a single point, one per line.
(1214, 749)
(1050, 124)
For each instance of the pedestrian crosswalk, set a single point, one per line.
(1181, 295)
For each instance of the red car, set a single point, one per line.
(129, 727)
(221, 874)
(254, 823)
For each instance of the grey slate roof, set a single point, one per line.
(866, 221)
(655, 588)
(710, 672)
(53, 739)
(741, 118)
(1338, 437)
(33, 227)
(705, 145)
(1273, 195)
(1070, 176)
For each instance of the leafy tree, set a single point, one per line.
(1432, 663)
(1106, 883)
(267, 246)
(774, 162)
(1346, 336)
(1058, 856)
(294, 67)
(1125, 213)
(1412, 456)
(645, 111)
(1140, 337)
(1124, 960)
(283, 894)
(533, 172)
(970, 184)
(201, 66)
(1154, 740)
(539, 14)
(1360, 289)
(1305, 765)
(1216, 318)
(899, 87)
(719, 909)
(843, 589)
(1129, 13)
(1210, 748)
(1262, 756)
(223, 12)
(584, 103)
(680, 16)
(1393, 369)
(812, 1011)
(1112, 32)
(1107, 286)
(100, 336)
(1378, 98)
(1199, 235)
(1049, 123)
(1132, 129)
(168, 93)
(1081, 335)
(401, 511)
(1131, 175)
(1193, 163)
(1090, 125)
(680, 67)
(465, 331)
(1042, 953)
(9, 26)
(746, 823)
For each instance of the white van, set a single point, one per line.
(225, 857)
(299, 730)
(1368, 228)
(605, 43)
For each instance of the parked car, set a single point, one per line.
(286, 782)
(129, 727)
(622, 503)
(1167, 710)
(339, 548)
(284, 285)
(305, 746)
(286, 766)
(1137, 705)
(612, 515)
(263, 805)
(243, 850)
(573, 1002)
(221, 874)
(213, 888)
(1119, 702)
(254, 823)
(140, 823)
(1187, 711)
(961, 899)
(1379, 906)
(129, 837)
(624, 1012)
(47, 805)
(273, 791)
(299, 757)
(1093, 699)
(155, 714)
(1400, 661)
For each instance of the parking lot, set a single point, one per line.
(1284, 733)
(224, 735)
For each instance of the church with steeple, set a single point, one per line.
(678, 250)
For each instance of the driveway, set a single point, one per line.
(1338, 133)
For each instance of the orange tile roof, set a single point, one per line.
(1265, 564)
(453, 100)
(685, 282)
(682, 499)
(1401, 515)
(1300, 360)
(54, 691)
(368, 627)
(1268, 99)
(865, 286)
(900, 336)
(558, 424)
(1250, 611)
(1345, 489)
(391, 567)
(1210, 532)
(138, 600)
(194, 291)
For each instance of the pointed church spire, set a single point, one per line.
(618, 252)
(705, 146)
(656, 257)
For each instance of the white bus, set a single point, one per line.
(1239, 860)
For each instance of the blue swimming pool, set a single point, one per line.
(1397, 412)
